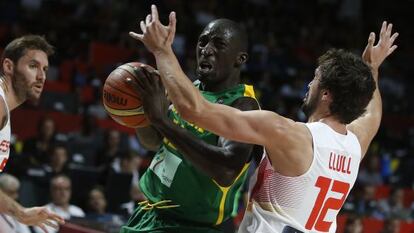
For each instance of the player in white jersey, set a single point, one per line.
(24, 64)
(310, 168)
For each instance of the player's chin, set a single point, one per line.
(34, 96)
(204, 77)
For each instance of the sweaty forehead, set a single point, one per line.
(217, 29)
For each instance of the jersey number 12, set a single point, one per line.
(322, 205)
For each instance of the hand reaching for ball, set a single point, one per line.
(152, 93)
(122, 101)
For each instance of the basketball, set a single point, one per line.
(121, 101)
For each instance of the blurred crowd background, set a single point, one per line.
(66, 151)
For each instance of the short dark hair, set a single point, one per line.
(18, 47)
(349, 80)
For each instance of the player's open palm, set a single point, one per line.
(156, 36)
(375, 54)
(40, 217)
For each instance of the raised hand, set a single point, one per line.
(375, 55)
(40, 217)
(155, 36)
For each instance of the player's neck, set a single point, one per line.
(329, 120)
(12, 99)
(332, 122)
(225, 84)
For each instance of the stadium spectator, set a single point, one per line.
(353, 224)
(393, 206)
(60, 192)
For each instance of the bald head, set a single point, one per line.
(231, 29)
(221, 52)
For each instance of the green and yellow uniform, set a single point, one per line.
(180, 197)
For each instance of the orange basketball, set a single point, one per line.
(121, 101)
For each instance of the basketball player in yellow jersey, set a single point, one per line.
(308, 169)
(24, 64)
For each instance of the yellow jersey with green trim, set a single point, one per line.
(178, 189)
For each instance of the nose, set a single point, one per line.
(41, 75)
(207, 50)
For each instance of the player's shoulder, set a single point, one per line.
(3, 112)
(245, 103)
(2, 103)
(302, 128)
(286, 128)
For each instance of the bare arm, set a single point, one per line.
(3, 113)
(222, 162)
(366, 126)
(188, 101)
(149, 137)
(254, 127)
(279, 135)
(276, 133)
(35, 216)
(158, 39)
(9, 206)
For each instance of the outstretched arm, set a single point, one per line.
(36, 216)
(276, 133)
(222, 161)
(253, 127)
(366, 126)
(9, 206)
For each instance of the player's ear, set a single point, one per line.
(241, 59)
(326, 95)
(8, 66)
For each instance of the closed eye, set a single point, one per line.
(202, 41)
(220, 43)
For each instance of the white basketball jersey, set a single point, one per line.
(4, 134)
(310, 202)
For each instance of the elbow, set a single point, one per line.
(150, 141)
(151, 146)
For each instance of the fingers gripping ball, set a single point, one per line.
(121, 101)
